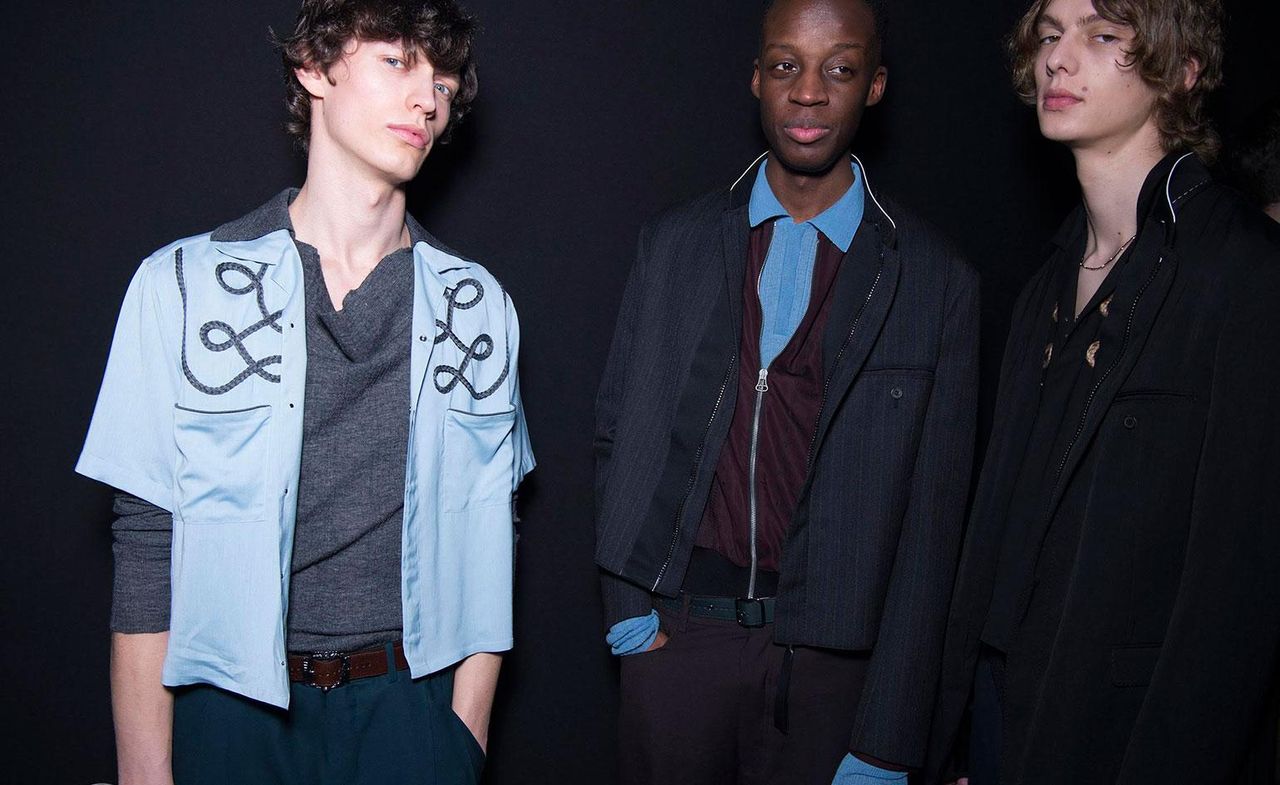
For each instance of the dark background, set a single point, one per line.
(128, 125)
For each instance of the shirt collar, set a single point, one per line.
(1175, 179)
(838, 223)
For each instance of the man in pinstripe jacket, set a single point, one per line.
(784, 438)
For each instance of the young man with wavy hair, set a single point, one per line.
(1114, 616)
(312, 417)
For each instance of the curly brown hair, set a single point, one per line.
(1166, 35)
(436, 29)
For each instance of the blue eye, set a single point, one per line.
(394, 62)
(444, 89)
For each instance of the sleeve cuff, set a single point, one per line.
(855, 771)
(622, 599)
(634, 635)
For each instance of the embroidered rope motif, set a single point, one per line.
(253, 366)
(478, 350)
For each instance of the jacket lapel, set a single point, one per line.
(1141, 294)
(734, 234)
(1016, 405)
(864, 291)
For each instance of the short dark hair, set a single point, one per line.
(1255, 155)
(437, 29)
(879, 13)
(1166, 34)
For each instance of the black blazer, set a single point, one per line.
(1168, 637)
(869, 558)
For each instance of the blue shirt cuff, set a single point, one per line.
(855, 771)
(634, 635)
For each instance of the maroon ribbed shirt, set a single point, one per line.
(788, 418)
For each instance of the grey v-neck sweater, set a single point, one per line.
(345, 582)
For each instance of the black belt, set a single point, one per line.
(747, 611)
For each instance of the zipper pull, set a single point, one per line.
(762, 384)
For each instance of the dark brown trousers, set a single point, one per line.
(706, 708)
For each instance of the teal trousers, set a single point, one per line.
(373, 731)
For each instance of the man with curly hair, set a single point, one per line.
(1114, 615)
(313, 421)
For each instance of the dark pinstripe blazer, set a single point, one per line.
(869, 557)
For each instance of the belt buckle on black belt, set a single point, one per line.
(342, 676)
(750, 611)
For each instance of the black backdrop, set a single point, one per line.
(128, 125)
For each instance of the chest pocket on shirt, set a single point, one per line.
(478, 459)
(222, 466)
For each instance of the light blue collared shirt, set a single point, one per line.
(787, 278)
(200, 413)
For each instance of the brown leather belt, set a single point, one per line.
(328, 669)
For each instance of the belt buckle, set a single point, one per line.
(309, 668)
(749, 611)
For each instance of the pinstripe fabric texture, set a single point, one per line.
(869, 558)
